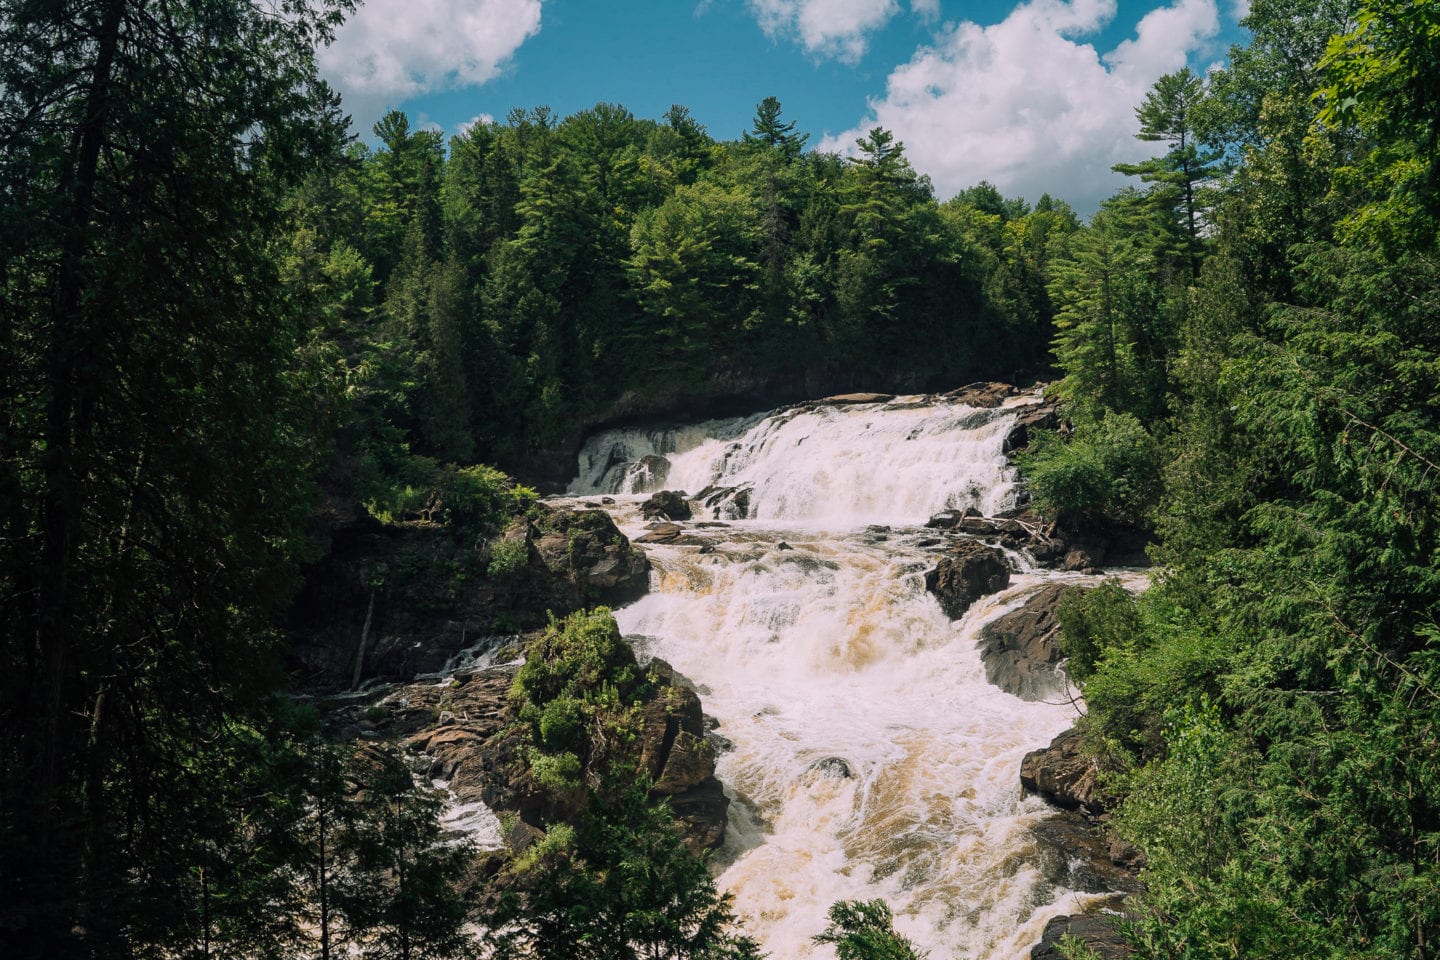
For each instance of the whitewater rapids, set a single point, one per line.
(866, 754)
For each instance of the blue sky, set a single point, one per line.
(1035, 96)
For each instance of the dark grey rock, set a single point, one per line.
(968, 572)
(1099, 932)
(1021, 649)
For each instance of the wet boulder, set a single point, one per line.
(661, 533)
(1063, 775)
(1042, 416)
(968, 572)
(725, 503)
(680, 759)
(649, 471)
(985, 394)
(666, 505)
(1021, 649)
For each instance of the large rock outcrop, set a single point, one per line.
(680, 759)
(465, 733)
(1021, 649)
(969, 571)
(587, 561)
(1042, 416)
(392, 601)
(1063, 775)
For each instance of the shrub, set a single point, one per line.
(1092, 621)
(1111, 469)
(507, 558)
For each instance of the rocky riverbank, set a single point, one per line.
(463, 731)
(391, 601)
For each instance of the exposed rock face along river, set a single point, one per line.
(867, 754)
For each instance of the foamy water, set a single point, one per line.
(871, 757)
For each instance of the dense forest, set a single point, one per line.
(493, 296)
(221, 316)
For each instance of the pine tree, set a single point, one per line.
(157, 439)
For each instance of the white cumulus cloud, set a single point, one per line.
(391, 50)
(468, 125)
(830, 28)
(1027, 104)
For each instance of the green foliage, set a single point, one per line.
(470, 502)
(576, 657)
(1168, 115)
(618, 886)
(545, 266)
(862, 930)
(1118, 307)
(507, 558)
(400, 896)
(162, 403)
(1073, 948)
(616, 880)
(1271, 700)
(578, 694)
(1095, 620)
(1111, 469)
(557, 772)
(1382, 78)
(769, 132)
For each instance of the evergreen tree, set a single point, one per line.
(1167, 115)
(400, 897)
(771, 133)
(157, 422)
(863, 930)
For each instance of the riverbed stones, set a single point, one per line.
(985, 394)
(1021, 530)
(850, 399)
(968, 572)
(661, 533)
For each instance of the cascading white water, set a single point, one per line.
(867, 463)
(870, 756)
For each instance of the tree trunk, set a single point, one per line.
(68, 348)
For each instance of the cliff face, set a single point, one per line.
(396, 602)
(393, 601)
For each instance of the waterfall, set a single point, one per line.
(898, 462)
(866, 753)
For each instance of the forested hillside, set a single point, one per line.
(224, 324)
(1268, 710)
(542, 273)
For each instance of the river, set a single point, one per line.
(865, 753)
